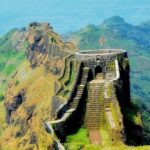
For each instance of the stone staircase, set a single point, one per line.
(78, 96)
(80, 88)
(94, 112)
(84, 76)
(59, 126)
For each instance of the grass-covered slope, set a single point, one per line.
(27, 128)
(116, 33)
(12, 54)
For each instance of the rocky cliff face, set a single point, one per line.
(46, 47)
(28, 96)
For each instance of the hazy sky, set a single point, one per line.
(69, 15)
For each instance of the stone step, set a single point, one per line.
(92, 93)
(92, 107)
(79, 92)
(95, 88)
(95, 106)
(94, 118)
(94, 99)
(95, 109)
(95, 121)
(93, 128)
(107, 103)
(95, 112)
(89, 122)
(93, 102)
(89, 118)
(92, 114)
(92, 125)
(75, 102)
(78, 95)
(95, 91)
(94, 96)
(83, 81)
(96, 85)
(80, 88)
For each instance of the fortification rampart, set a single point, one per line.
(100, 91)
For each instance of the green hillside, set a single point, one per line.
(116, 33)
(12, 54)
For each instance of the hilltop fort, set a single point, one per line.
(97, 98)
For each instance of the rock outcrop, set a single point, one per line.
(46, 47)
(13, 106)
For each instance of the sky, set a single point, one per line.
(69, 15)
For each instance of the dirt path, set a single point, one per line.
(95, 137)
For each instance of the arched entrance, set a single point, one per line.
(98, 71)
